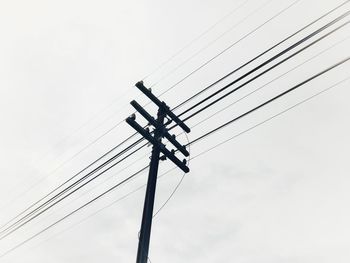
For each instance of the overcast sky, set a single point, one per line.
(278, 193)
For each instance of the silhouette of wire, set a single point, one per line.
(76, 175)
(272, 117)
(42, 209)
(249, 81)
(269, 82)
(271, 100)
(74, 211)
(26, 191)
(260, 55)
(212, 42)
(108, 131)
(267, 70)
(228, 48)
(122, 96)
(178, 184)
(195, 39)
(193, 158)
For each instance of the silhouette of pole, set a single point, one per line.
(146, 225)
(155, 138)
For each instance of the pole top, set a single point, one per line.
(163, 106)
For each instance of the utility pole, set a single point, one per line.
(160, 132)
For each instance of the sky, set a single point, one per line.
(277, 193)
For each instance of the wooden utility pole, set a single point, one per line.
(155, 139)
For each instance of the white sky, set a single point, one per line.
(276, 194)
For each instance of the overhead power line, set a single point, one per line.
(236, 101)
(266, 3)
(196, 39)
(273, 116)
(128, 148)
(260, 55)
(224, 125)
(271, 81)
(118, 99)
(180, 105)
(55, 200)
(314, 33)
(76, 175)
(229, 47)
(195, 157)
(229, 93)
(270, 100)
(210, 28)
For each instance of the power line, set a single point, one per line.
(66, 190)
(101, 136)
(270, 100)
(178, 184)
(196, 39)
(111, 204)
(195, 157)
(260, 55)
(102, 182)
(286, 50)
(265, 63)
(114, 148)
(228, 48)
(116, 100)
(269, 82)
(249, 94)
(80, 180)
(75, 211)
(298, 43)
(218, 128)
(212, 42)
(233, 103)
(153, 71)
(146, 76)
(273, 117)
(77, 174)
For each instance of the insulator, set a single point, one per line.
(133, 116)
(184, 161)
(168, 121)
